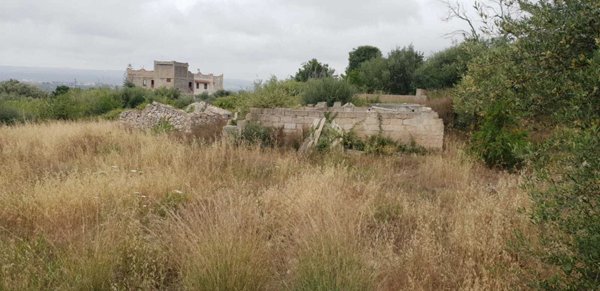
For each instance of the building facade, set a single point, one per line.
(173, 74)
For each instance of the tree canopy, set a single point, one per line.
(360, 55)
(313, 69)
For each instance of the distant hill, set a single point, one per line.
(49, 78)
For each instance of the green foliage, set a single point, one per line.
(351, 141)
(255, 133)
(13, 89)
(8, 115)
(167, 93)
(360, 55)
(163, 126)
(568, 206)
(371, 76)
(548, 72)
(395, 74)
(131, 97)
(500, 142)
(380, 145)
(270, 94)
(60, 90)
(328, 90)
(403, 64)
(446, 68)
(231, 102)
(313, 69)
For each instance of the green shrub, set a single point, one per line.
(444, 69)
(227, 102)
(270, 94)
(168, 93)
(65, 107)
(328, 90)
(131, 97)
(567, 207)
(163, 126)
(113, 114)
(8, 115)
(380, 145)
(499, 141)
(13, 89)
(351, 141)
(255, 133)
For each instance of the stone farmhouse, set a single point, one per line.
(171, 74)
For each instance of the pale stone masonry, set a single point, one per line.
(404, 123)
(173, 74)
(195, 115)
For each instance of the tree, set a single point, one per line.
(15, 89)
(372, 76)
(328, 90)
(548, 70)
(403, 64)
(360, 55)
(313, 69)
(445, 69)
(60, 90)
(486, 18)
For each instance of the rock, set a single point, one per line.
(198, 107)
(337, 104)
(349, 105)
(321, 105)
(155, 113)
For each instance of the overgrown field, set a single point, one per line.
(91, 206)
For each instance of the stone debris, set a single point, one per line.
(201, 115)
(348, 105)
(321, 105)
(203, 107)
(317, 128)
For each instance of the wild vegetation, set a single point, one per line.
(89, 205)
(511, 204)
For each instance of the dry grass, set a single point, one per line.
(93, 206)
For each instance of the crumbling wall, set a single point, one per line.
(183, 121)
(384, 98)
(403, 123)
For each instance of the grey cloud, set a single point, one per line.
(243, 39)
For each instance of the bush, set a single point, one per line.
(380, 145)
(499, 141)
(445, 68)
(131, 97)
(255, 133)
(567, 207)
(65, 107)
(13, 89)
(8, 115)
(351, 141)
(328, 90)
(163, 126)
(270, 94)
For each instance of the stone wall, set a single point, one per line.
(403, 123)
(383, 98)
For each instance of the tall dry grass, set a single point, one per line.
(93, 206)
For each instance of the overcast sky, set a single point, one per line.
(241, 38)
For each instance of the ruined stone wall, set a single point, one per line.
(383, 98)
(403, 123)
